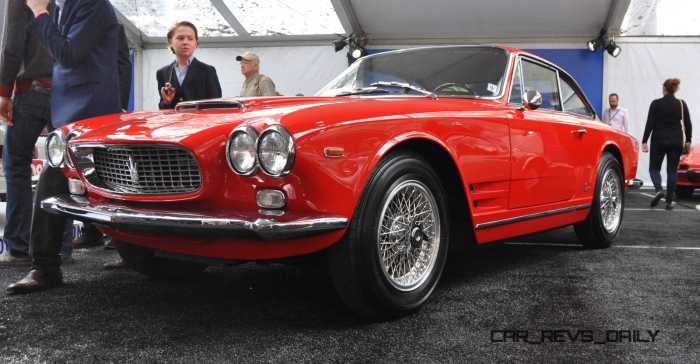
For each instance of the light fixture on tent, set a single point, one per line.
(339, 44)
(356, 46)
(603, 40)
(613, 48)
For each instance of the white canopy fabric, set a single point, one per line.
(662, 18)
(241, 23)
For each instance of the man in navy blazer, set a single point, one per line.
(82, 36)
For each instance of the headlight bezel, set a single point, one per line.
(291, 150)
(66, 155)
(62, 137)
(252, 133)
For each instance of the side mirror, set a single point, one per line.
(532, 99)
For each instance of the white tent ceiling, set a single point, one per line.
(241, 23)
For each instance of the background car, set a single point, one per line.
(403, 155)
(689, 173)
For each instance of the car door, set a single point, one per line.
(588, 138)
(543, 153)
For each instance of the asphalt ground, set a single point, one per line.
(544, 286)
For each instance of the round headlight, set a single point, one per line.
(56, 148)
(276, 151)
(240, 150)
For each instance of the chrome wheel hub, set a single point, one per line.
(611, 201)
(408, 236)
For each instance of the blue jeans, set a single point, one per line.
(672, 153)
(31, 114)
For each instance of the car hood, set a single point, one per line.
(298, 114)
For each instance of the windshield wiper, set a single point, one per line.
(402, 85)
(363, 91)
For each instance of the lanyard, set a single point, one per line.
(613, 115)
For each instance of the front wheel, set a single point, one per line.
(395, 250)
(605, 217)
(144, 261)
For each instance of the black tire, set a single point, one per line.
(591, 231)
(143, 261)
(685, 191)
(354, 263)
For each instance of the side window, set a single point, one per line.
(516, 92)
(572, 99)
(543, 80)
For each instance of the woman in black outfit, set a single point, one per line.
(187, 78)
(669, 125)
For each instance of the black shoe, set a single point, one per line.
(35, 281)
(655, 201)
(669, 206)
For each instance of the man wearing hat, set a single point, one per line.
(255, 84)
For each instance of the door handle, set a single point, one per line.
(579, 131)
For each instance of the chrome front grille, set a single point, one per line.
(146, 169)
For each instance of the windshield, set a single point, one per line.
(445, 71)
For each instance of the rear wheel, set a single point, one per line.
(605, 217)
(145, 262)
(685, 191)
(395, 250)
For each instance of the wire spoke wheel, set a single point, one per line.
(408, 235)
(610, 201)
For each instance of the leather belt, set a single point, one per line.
(26, 85)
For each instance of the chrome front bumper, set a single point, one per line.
(79, 208)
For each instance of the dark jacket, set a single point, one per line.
(664, 122)
(23, 55)
(125, 72)
(84, 46)
(200, 83)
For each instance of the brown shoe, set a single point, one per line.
(35, 281)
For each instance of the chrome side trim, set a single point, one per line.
(538, 215)
(80, 208)
(635, 184)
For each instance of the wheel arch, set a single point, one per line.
(443, 161)
(614, 149)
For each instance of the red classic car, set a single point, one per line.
(403, 155)
(689, 173)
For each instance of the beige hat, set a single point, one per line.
(249, 56)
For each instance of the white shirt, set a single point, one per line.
(60, 4)
(182, 73)
(618, 118)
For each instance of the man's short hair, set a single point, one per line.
(614, 94)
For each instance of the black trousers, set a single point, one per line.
(32, 112)
(48, 230)
(672, 153)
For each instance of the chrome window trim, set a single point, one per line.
(578, 92)
(549, 66)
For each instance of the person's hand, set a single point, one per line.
(645, 148)
(38, 7)
(167, 93)
(6, 110)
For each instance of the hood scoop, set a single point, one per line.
(209, 105)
